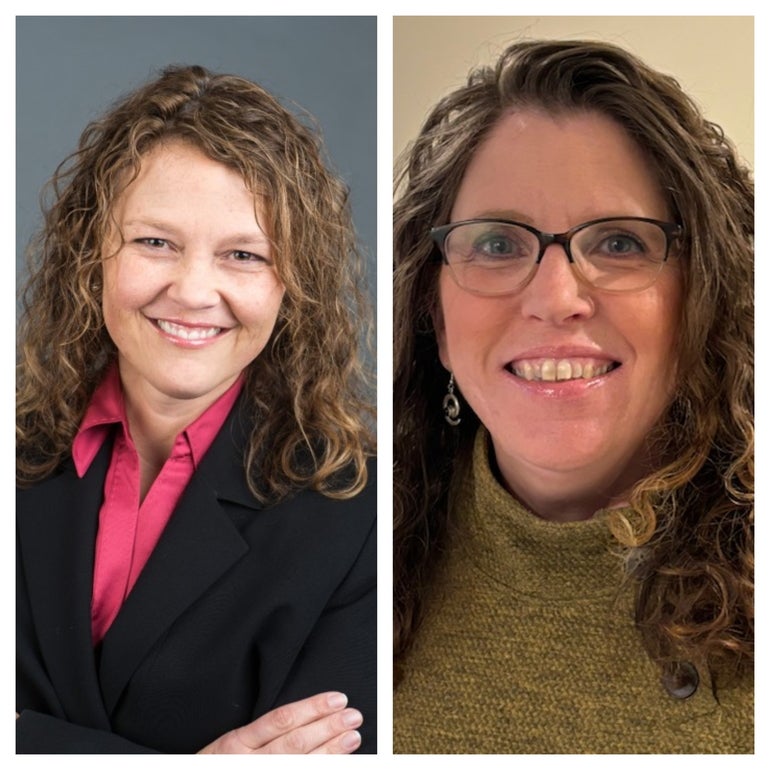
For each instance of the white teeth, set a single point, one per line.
(551, 370)
(187, 332)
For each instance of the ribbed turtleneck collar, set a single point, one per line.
(532, 556)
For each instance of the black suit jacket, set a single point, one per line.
(240, 608)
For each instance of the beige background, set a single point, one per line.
(712, 57)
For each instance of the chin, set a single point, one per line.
(191, 388)
(563, 456)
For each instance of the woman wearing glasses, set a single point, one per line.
(573, 408)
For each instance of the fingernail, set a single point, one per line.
(337, 700)
(352, 718)
(351, 741)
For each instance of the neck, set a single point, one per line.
(572, 507)
(570, 495)
(153, 433)
(156, 419)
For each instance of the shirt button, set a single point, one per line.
(680, 680)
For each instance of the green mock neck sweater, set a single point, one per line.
(528, 646)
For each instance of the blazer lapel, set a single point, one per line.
(57, 521)
(200, 543)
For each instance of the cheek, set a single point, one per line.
(257, 308)
(651, 327)
(470, 325)
(112, 299)
(662, 323)
(125, 289)
(445, 320)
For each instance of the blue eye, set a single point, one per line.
(500, 245)
(495, 245)
(621, 245)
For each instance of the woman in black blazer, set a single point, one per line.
(198, 252)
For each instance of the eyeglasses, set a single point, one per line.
(492, 257)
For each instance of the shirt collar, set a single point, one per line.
(105, 409)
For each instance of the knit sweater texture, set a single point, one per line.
(528, 646)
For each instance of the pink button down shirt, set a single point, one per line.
(129, 530)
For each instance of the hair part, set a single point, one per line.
(309, 391)
(691, 521)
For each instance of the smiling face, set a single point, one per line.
(191, 296)
(569, 380)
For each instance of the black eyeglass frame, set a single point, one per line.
(439, 234)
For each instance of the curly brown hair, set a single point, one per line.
(310, 386)
(688, 536)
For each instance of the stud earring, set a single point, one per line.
(451, 405)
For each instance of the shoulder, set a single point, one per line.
(363, 501)
(50, 487)
(352, 517)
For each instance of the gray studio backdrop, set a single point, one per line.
(71, 69)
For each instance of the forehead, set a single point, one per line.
(175, 179)
(185, 167)
(564, 169)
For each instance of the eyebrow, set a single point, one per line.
(148, 222)
(508, 214)
(255, 238)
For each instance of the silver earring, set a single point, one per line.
(451, 404)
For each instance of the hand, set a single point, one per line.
(317, 725)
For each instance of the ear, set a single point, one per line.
(437, 315)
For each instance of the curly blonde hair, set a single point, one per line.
(309, 388)
(688, 538)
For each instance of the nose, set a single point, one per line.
(194, 282)
(555, 293)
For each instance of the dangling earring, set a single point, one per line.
(451, 404)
